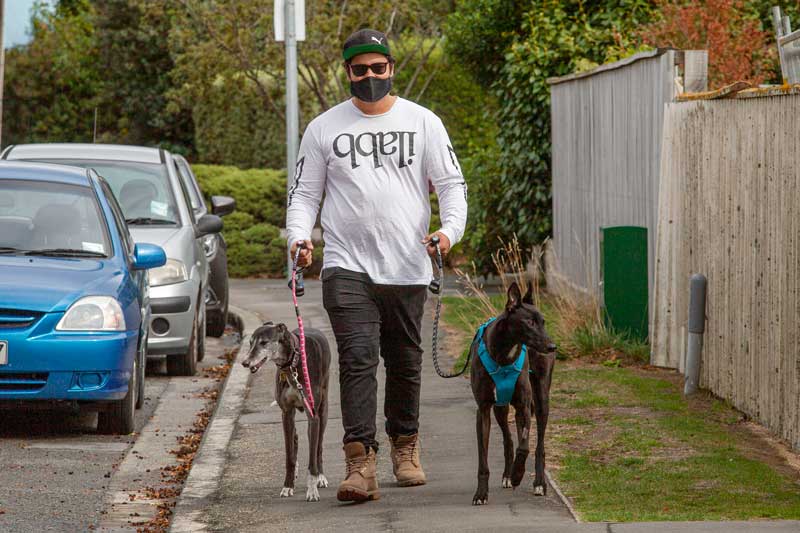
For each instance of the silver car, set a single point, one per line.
(158, 209)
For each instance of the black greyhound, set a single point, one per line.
(281, 346)
(520, 323)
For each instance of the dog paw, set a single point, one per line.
(518, 470)
(274, 403)
(481, 497)
(287, 492)
(323, 481)
(506, 482)
(539, 490)
(312, 494)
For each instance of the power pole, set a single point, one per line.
(2, 66)
(291, 29)
(292, 111)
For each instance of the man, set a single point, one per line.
(373, 156)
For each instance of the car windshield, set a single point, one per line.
(46, 218)
(142, 189)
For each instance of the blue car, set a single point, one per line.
(73, 294)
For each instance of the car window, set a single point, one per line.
(143, 190)
(125, 235)
(185, 192)
(42, 215)
(189, 182)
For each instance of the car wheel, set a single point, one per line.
(142, 364)
(185, 364)
(119, 417)
(201, 339)
(217, 320)
(216, 324)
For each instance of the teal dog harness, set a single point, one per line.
(504, 377)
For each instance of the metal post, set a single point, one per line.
(2, 66)
(292, 111)
(697, 326)
(777, 24)
(292, 104)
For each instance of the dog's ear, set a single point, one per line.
(528, 298)
(514, 296)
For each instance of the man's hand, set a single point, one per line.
(444, 244)
(306, 255)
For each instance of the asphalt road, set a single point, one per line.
(57, 474)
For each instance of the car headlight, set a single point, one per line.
(93, 313)
(210, 245)
(173, 272)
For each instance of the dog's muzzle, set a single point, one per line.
(256, 367)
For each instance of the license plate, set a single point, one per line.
(3, 352)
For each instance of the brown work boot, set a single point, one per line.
(360, 483)
(405, 461)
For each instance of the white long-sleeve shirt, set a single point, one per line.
(374, 172)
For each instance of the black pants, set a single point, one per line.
(370, 319)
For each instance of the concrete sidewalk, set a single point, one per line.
(247, 496)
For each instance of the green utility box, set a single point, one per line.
(623, 271)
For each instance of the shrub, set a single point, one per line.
(252, 232)
(257, 250)
(260, 193)
(234, 127)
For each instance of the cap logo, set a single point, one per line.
(379, 41)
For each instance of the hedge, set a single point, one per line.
(255, 247)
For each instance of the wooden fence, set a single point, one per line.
(730, 209)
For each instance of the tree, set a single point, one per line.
(512, 47)
(52, 83)
(228, 48)
(133, 44)
(739, 48)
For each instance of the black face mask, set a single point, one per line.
(371, 89)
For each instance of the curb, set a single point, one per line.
(561, 496)
(209, 463)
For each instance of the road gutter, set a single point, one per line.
(208, 466)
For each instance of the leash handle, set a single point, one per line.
(308, 397)
(435, 241)
(300, 288)
(437, 287)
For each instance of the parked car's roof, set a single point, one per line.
(113, 152)
(43, 172)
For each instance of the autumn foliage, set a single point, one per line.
(738, 48)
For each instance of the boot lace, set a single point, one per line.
(355, 464)
(406, 452)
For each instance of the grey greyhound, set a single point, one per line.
(276, 343)
(519, 324)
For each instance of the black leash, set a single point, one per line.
(437, 287)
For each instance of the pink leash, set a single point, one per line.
(308, 397)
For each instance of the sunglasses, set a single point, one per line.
(361, 70)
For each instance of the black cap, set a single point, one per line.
(365, 41)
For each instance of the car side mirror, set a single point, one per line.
(208, 224)
(146, 256)
(222, 205)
